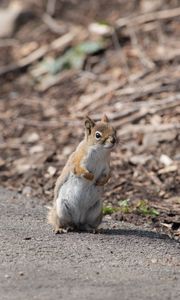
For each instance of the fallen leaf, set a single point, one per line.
(139, 159)
(72, 59)
(67, 150)
(27, 48)
(150, 6)
(36, 149)
(90, 47)
(152, 139)
(51, 171)
(24, 164)
(32, 138)
(100, 29)
(168, 169)
(8, 18)
(2, 162)
(23, 168)
(166, 160)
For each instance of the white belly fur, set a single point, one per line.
(80, 193)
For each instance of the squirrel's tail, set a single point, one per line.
(53, 218)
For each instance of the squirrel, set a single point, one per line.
(77, 194)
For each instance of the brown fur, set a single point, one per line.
(80, 170)
(53, 219)
(103, 180)
(75, 162)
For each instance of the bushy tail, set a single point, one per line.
(53, 218)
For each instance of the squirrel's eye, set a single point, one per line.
(98, 135)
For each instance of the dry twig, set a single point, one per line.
(130, 129)
(145, 60)
(53, 25)
(149, 17)
(50, 7)
(87, 101)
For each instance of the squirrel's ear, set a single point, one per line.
(105, 119)
(89, 124)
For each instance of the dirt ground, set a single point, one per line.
(131, 72)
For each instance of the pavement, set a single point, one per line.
(123, 262)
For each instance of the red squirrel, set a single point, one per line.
(78, 190)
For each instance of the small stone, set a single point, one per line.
(97, 272)
(7, 276)
(27, 238)
(21, 273)
(154, 260)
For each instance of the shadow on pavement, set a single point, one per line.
(136, 232)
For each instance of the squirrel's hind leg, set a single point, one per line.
(55, 221)
(60, 217)
(93, 219)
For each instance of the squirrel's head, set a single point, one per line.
(100, 133)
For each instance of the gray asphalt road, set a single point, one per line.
(125, 262)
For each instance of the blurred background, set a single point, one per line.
(61, 60)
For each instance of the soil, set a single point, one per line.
(40, 125)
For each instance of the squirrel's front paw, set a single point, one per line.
(79, 171)
(102, 180)
(88, 176)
